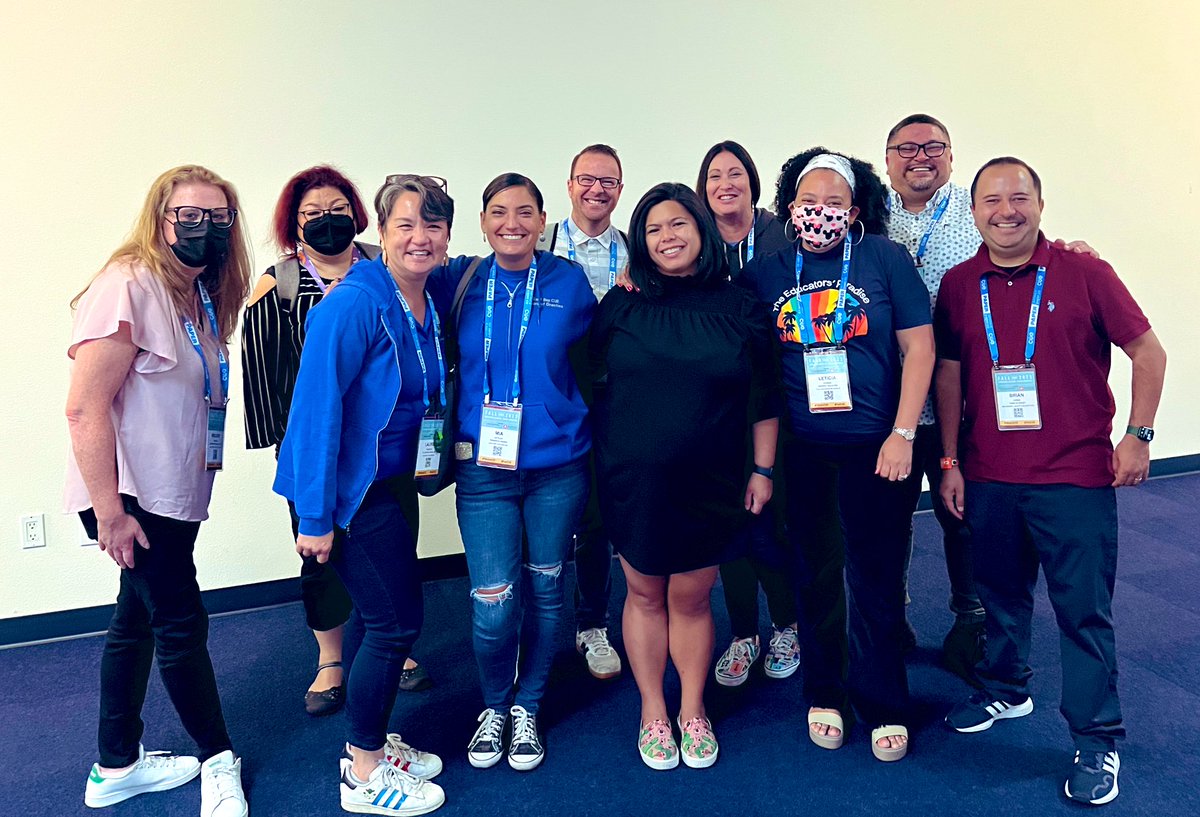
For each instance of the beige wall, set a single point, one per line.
(98, 98)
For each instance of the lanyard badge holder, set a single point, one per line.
(919, 256)
(214, 439)
(612, 252)
(431, 444)
(500, 423)
(827, 369)
(1015, 386)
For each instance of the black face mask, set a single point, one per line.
(329, 234)
(200, 246)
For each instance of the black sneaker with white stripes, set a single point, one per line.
(981, 710)
(1094, 778)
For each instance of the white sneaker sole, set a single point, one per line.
(526, 765)
(411, 811)
(123, 795)
(1018, 711)
(484, 761)
(699, 762)
(787, 672)
(1108, 798)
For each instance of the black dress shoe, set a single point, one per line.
(325, 701)
(415, 679)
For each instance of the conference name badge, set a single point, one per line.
(214, 441)
(499, 436)
(1016, 398)
(827, 376)
(430, 446)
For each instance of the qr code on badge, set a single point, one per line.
(497, 450)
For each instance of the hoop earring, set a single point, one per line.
(794, 235)
(861, 237)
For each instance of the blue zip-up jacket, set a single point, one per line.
(346, 390)
(554, 422)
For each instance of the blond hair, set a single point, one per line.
(228, 284)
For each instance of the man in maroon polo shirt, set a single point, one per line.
(1024, 333)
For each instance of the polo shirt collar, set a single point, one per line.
(579, 236)
(1040, 258)
(897, 201)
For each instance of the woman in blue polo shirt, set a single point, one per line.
(521, 441)
(852, 319)
(372, 378)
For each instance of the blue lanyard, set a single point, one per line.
(839, 315)
(302, 257)
(1034, 309)
(195, 339)
(750, 242)
(437, 344)
(488, 314)
(612, 252)
(937, 216)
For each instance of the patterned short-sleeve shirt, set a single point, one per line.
(954, 239)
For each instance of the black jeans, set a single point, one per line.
(593, 563)
(956, 536)
(767, 563)
(159, 614)
(376, 558)
(326, 602)
(850, 586)
(1072, 533)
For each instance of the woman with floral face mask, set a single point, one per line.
(848, 308)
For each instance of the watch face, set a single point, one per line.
(1145, 434)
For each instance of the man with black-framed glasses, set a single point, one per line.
(589, 238)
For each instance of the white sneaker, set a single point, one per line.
(221, 787)
(602, 660)
(733, 668)
(525, 750)
(783, 654)
(487, 745)
(389, 791)
(153, 771)
(404, 757)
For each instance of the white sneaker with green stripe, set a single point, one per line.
(389, 791)
(153, 771)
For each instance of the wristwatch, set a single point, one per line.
(762, 471)
(949, 463)
(1143, 433)
(909, 434)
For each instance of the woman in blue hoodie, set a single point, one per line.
(521, 445)
(368, 396)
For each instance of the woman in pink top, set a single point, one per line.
(146, 408)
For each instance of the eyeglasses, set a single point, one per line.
(909, 150)
(607, 182)
(315, 213)
(220, 217)
(428, 181)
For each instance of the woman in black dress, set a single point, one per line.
(688, 360)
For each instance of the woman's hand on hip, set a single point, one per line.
(117, 537)
(318, 546)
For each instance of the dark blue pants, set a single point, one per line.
(1072, 533)
(593, 563)
(326, 602)
(850, 585)
(159, 614)
(376, 558)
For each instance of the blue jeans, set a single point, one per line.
(497, 509)
(376, 558)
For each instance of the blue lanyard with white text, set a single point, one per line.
(488, 314)
(437, 344)
(750, 242)
(195, 339)
(839, 315)
(1034, 309)
(612, 252)
(302, 257)
(937, 216)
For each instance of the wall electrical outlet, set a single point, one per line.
(33, 531)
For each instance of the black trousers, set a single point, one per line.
(326, 602)
(767, 563)
(1072, 533)
(159, 614)
(850, 586)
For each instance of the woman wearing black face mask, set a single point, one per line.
(317, 216)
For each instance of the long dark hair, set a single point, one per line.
(710, 266)
(870, 196)
(743, 156)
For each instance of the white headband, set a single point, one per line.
(829, 161)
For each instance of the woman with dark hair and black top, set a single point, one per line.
(729, 186)
(857, 354)
(689, 369)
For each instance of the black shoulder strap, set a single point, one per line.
(461, 292)
(624, 238)
(549, 237)
(287, 282)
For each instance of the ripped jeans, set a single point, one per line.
(517, 528)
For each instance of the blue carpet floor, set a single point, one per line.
(264, 661)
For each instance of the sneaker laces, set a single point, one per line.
(524, 727)
(783, 640)
(596, 641)
(740, 650)
(491, 727)
(152, 760)
(226, 779)
(402, 750)
(396, 779)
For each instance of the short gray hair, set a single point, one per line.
(436, 204)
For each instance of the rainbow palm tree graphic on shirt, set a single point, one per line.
(809, 318)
